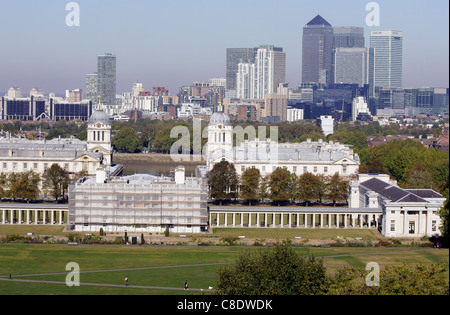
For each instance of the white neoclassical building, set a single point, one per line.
(405, 212)
(315, 157)
(71, 154)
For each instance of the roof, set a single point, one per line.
(219, 118)
(99, 116)
(318, 20)
(397, 194)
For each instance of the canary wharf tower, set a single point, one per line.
(317, 51)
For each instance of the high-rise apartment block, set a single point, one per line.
(264, 75)
(106, 78)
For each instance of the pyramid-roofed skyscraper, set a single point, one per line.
(317, 51)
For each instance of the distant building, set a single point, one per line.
(65, 110)
(27, 109)
(106, 78)
(317, 51)
(267, 155)
(386, 68)
(351, 66)
(327, 124)
(294, 114)
(359, 108)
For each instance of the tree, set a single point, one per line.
(419, 178)
(250, 182)
(337, 189)
(127, 139)
(23, 185)
(56, 179)
(222, 181)
(307, 188)
(281, 183)
(278, 271)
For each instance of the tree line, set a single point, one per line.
(281, 187)
(28, 185)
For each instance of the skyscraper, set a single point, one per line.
(255, 80)
(386, 60)
(106, 78)
(91, 87)
(348, 37)
(235, 56)
(351, 66)
(317, 51)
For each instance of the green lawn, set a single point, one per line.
(49, 259)
(305, 234)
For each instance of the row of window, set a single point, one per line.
(314, 169)
(412, 226)
(28, 166)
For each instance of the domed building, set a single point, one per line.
(252, 151)
(99, 135)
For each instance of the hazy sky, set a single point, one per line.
(172, 43)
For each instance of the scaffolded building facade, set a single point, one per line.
(138, 203)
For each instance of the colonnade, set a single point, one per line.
(293, 219)
(34, 216)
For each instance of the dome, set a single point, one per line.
(99, 116)
(219, 118)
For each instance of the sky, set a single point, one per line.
(173, 43)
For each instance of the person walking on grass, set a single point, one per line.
(126, 281)
(186, 287)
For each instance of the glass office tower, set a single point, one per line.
(387, 50)
(317, 51)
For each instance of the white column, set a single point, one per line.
(257, 219)
(345, 220)
(28, 216)
(210, 218)
(405, 228)
(20, 217)
(3, 216)
(306, 220)
(298, 220)
(43, 216)
(226, 219)
(273, 219)
(265, 219)
(52, 221)
(290, 219)
(242, 219)
(314, 220)
(337, 220)
(428, 222)
(233, 218)
(419, 227)
(12, 216)
(36, 212)
(321, 220)
(281, 220)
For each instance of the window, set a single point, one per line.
(325, 169)
(242, 168)
(392, 225)
(305, 169)
(344, 169)
(294, 169)
(14, 165)
(35, 166)
(25, 166)
(315, 169)
(433, 225)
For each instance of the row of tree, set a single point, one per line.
(27, 185)
(280, 187)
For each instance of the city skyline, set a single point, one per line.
(187, 41)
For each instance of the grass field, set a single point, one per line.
(103, 268)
